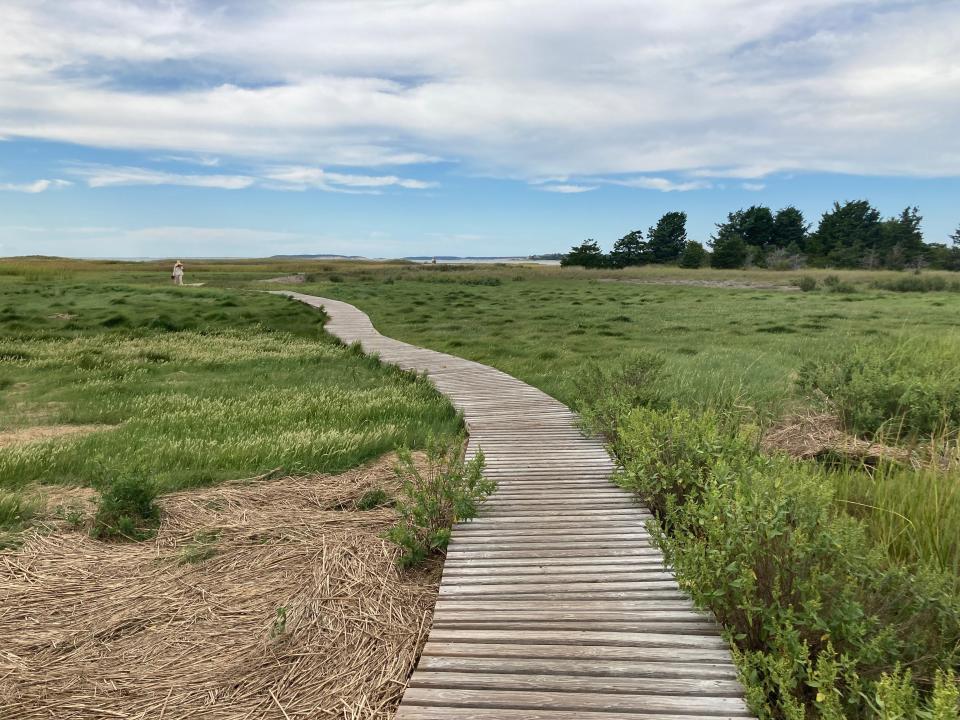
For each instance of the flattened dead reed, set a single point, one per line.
(271, 599)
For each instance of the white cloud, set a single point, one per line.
(298, 177)
(567, 188)
(753, 186)
(662, 184)
(98, 176)
(37, 186)
(537, 89)
(204, 160)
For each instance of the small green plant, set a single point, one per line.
(431, 502)
(201, 549)
(807, 283)
(126, 510)
(373, 499)
(279, 626)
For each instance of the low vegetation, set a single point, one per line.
(904, 389)
(433, 500)
(819, 613)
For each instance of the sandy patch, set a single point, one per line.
(265, 599)
(297, 279)
(39, 433)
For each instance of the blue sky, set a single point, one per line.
(469, 127)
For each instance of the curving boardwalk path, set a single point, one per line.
(554, 605)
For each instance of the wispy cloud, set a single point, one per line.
(662, 184)
(567, 188)
(203, 160)
(299, 177)
(753, 186)
(37, 186)
(99, 176)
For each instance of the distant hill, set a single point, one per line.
(317, 257)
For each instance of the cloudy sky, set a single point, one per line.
(484, 127)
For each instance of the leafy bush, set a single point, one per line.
(126, 510)
(918, 283)
(834, 284)
(430, 503)
(605, 390)
(907, 390)
(817, 612)
(807, 283)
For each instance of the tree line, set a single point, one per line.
(851, 235)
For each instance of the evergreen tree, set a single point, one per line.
(901, 240)
(790, 230)
(693, 255)
(630, 250)
(729, 249)
(668, 238)
(755, 226)
(955, 237)
(847, 233)
(586, 254)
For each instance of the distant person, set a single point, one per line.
(177, 275)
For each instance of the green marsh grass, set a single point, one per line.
(189, 386)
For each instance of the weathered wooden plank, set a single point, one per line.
(577, 683)
(412, 712)
(576, 701)
(575, 666)
(563, 637)
(436, 648)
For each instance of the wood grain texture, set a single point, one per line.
(554, 603)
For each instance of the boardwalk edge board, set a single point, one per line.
(554, 604)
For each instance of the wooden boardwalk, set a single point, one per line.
(554, 604)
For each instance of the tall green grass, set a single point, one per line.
(192, 386)
(913, 514)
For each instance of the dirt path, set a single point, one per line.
(727, 284)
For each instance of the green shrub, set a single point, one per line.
(431, 502)
(807, 283)
(605, 389)
(817, 612)
(918, 283)
(126, 510)
(834, 284)
(910, 389)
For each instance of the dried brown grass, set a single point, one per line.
(816, 435)
(267, 599)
